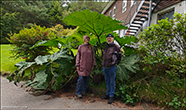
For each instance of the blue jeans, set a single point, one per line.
(110, 75)
(82, 84)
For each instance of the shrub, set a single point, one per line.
(163, 62)
(26, 38)
(161, 79)
(60, 31)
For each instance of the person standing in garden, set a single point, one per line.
(85, 61)
(111, 58)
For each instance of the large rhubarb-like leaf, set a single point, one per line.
(92, 22)
(128, 64)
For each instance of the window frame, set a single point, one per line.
(165, 12)
(110, 13)
(124, 8)
(114, 12)
(132, 2)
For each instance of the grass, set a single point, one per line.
(7, 63)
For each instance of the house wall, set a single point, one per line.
(178, 7)
(119, 5)
(119, 15)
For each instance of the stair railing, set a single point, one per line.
(130, 16)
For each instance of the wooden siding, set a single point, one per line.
(165, 3)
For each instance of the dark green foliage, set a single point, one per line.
(127, 43)
(9, 24)
(128, 64)
(55, 14)
(127, 94)
(90, 5)
(30, 11)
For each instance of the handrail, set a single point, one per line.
(138, 7)
(137, 4)
(150, 9)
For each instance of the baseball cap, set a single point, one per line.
(110, 35)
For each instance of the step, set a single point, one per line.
(142, 8)
(134, 29)
(135, 26)
(139, 20)
(131, 32)
(141, 16)
(137, 23)
(147, 4)
(144, 13)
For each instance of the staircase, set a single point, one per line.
(140, 16)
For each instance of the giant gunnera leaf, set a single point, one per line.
(93, 22)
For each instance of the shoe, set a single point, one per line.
(105, 97)
(79, 96)
(83, 93)
(111, 99)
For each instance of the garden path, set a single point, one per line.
(16, 98)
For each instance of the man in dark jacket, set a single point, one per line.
(111, 58)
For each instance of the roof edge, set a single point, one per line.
(108, 6)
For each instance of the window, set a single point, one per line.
(133, 2)
(168, 14)
(110, 12)
(114, 12)
(124, 6)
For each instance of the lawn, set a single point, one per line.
(7, 63)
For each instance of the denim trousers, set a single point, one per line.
(110, 75)
(82, 84)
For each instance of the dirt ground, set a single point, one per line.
(91, 98)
